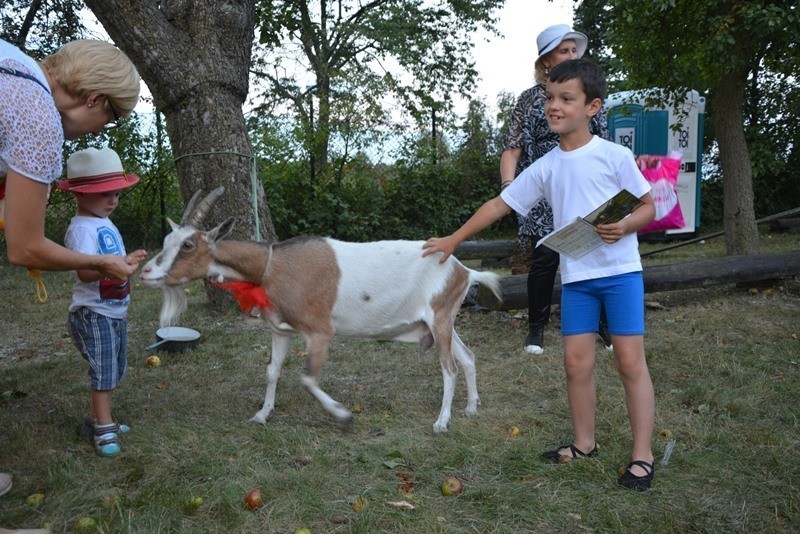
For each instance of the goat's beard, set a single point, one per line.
(173, 305)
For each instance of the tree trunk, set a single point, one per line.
(322, 135)
(741, 231)
(194, 56)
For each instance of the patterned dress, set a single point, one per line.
(528, 130)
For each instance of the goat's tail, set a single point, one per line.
(488, 279)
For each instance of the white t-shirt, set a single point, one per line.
(575, 183)
(96, 236)
(31, 134)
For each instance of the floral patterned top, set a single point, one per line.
(31, 135)
(528, 130)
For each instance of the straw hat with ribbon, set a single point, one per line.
(96, 171)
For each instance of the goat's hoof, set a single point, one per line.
(345, 423)
(259, 420)
(439, 429)
(471, 412)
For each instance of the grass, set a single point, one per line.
(724, 361)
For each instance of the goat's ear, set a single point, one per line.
(172, 224)
(221, 231)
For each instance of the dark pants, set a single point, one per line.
(541, 278)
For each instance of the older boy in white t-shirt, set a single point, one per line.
(576, 177)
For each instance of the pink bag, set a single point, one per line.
(662, 180)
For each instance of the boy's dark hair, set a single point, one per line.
(587, 73)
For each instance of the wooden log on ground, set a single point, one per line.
(479, 250)
(786, 224)
(704, 273)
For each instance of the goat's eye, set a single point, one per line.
(187, 245)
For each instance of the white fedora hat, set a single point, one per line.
(552, 36)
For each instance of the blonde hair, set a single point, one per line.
(89, 66)
(540, 72)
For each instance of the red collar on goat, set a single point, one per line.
(247, 295)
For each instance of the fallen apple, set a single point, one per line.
(451, 486)
(665, 433)
(360, 504)
(195, 501)
(303, 530)
(513, 432)
(253, 499)
(109, 501)
(87, 524)
(153, 361)
(35, 499)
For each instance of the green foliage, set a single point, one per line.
(40, 27)
(428, 189)
(409, 200)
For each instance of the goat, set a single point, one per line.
(318, 287)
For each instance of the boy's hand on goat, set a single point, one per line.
(447, 245)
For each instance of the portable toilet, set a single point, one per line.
(654, 130)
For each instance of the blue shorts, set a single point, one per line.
(622, 297)
(101, 341)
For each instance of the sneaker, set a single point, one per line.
(534, 342)
(605, 335)
(105, 440)
(86, 430)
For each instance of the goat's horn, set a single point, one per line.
(190, 207)
(198, 214)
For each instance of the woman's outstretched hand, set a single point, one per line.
(119, 268)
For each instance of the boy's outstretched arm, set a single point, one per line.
(487, 214)
(641, 217)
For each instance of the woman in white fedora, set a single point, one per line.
(529, 138)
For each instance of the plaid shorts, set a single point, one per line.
(101, 341)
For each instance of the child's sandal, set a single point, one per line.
(105, 440)
(577, 454)
(640, 483)
(86, 430)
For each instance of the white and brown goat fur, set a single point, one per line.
(322, 287)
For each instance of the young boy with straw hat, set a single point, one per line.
(97, 315)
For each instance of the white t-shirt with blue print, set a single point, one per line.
(96, 236)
